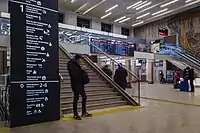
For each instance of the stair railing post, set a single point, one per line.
(138, 74)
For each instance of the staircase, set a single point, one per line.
(99, 94)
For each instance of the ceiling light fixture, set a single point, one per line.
(138, 23)
(124, 20)
(94, 7)
(120, 19)
(194, 2)
(155, 13)
(106, 15)
(144, 15)
(188, 1)
(113, 7)
(72, 1)
(169, 3)
(139, 4)
(142, 6)
(134, 4)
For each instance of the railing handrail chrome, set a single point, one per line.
(114, 61)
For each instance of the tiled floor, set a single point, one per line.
(155, 117)
(166, 92)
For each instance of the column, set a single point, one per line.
(134, 70)
(128, 66)
(149, 71)
(164, 68)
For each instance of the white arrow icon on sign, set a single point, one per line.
(39, 111)
(45, 85)
(43, 60)
(41, 37)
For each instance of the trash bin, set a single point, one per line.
(184, 85)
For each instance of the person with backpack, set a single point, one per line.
(79, 78)
(107, 70)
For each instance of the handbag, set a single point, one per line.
(86, 78)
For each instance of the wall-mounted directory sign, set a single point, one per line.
(35, 89)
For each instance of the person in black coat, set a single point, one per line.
(78, 78)
(120, 76)
(191, 78)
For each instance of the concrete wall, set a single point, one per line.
(71, 19)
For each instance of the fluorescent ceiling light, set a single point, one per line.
(153, 14)
(188, 1)
(72, 1)
(113, 7)
(124, 20)
(94, 7)
(142, 6)
(194, 2)
(106, 15)
(138, 23)
(146, 14)
(134, 4)
(139, 4)
(120, 19)
(169, 3)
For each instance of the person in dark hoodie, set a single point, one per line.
(79, 78)
(120, 76)
(191, 78)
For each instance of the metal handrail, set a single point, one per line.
(137, 77)
(109, 79)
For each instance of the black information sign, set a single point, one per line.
(35, 88)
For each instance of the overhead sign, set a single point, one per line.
(163, 31)
(35, 89)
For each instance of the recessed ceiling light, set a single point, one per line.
(113, 7)
(188, 1)
(120, 19)
(169, 3)
(106, 15)
(144, 15)
(138, 23)
(124, 20)
(142, 6)
(155, 13)
(88, 10)
(134, 4)
(139, 4)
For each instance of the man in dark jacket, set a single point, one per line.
(191, 79)
(77, 77)
(107, 70)
(120, 76)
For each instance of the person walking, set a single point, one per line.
(177, 77)
(107, 70)
(79, 78)
(161, 77)
(120, 76)
(191, 77)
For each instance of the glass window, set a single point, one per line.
(81, 22)
(106, 27)
(125, 31)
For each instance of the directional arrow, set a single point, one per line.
(47, 54)
(50, 44)
(43, 60)
(34, 72)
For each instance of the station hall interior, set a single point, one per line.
(141, 60)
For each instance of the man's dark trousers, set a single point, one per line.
(192, 85)
(77, 92)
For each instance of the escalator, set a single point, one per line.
(102, 91)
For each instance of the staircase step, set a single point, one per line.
(91, 77)
(94, 100)
(92, 81)
(90, 94)
(96, 106)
